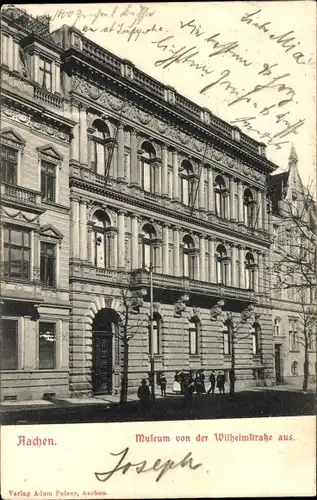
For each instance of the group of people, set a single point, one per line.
(184, 379)
(186, 383)
(218, 381)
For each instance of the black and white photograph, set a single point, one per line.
(158, 215)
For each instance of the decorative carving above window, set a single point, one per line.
(48, 232)
(49, 153)
(11, 138)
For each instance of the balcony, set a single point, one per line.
(186, 285)
(140, 279)
(21, 197)
(54, 100)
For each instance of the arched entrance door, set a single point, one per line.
(103, 340)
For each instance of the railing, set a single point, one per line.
(20, 194)
(249, 143)
(49, 98)
(102, 56)
(220, 125)
(151, 196)
(156, 88)
(148, 83)
(187, 105)
(141, 278)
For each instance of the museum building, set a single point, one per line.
(109, 174)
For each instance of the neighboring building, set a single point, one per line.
(293, 280)
(107, 171)
(35, 135)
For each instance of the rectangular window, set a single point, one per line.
(185, 191)
(292, 330)
(17, 253)
(9, 344)
(9, 164)
(102, 250)
(48, 180)
(147, 255)
(47, 346)
(46, 74)
(148, 180)
(48, 264)
(193, 340)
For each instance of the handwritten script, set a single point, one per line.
(142, 467)
(248, 62)
(280, 103)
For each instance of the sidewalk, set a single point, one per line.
(109, 400)
(104, 402)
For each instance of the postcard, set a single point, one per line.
(158, 228)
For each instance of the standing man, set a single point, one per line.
(212, 380)
(220, 383)
(163, 383)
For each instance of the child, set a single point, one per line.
(163, 383)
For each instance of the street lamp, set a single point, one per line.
(152, 367)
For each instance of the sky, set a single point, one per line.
(252, 64)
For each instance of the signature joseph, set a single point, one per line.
(159, 466)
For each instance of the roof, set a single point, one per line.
(277, 188)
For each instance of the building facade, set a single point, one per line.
(109, 173)
(293, 287)
(35, 137)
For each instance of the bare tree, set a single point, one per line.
(295, 257)
(128, 326)
(295, 245)
(235, 338)
(307, 335)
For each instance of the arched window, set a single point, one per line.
(294, 368)
(101, 240)
(277, 327)
(99, 147)
(227, 340)
(248, 208)
(148, 250)
(249, 271)
(255, 333)
(187, 191)
(194, 327)
(220, 196)
(222, 265)
(188, 257)
(148, 180)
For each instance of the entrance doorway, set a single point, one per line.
(103, 338)
(277, 357)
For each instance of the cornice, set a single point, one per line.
(198, 128)
(36, 109)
